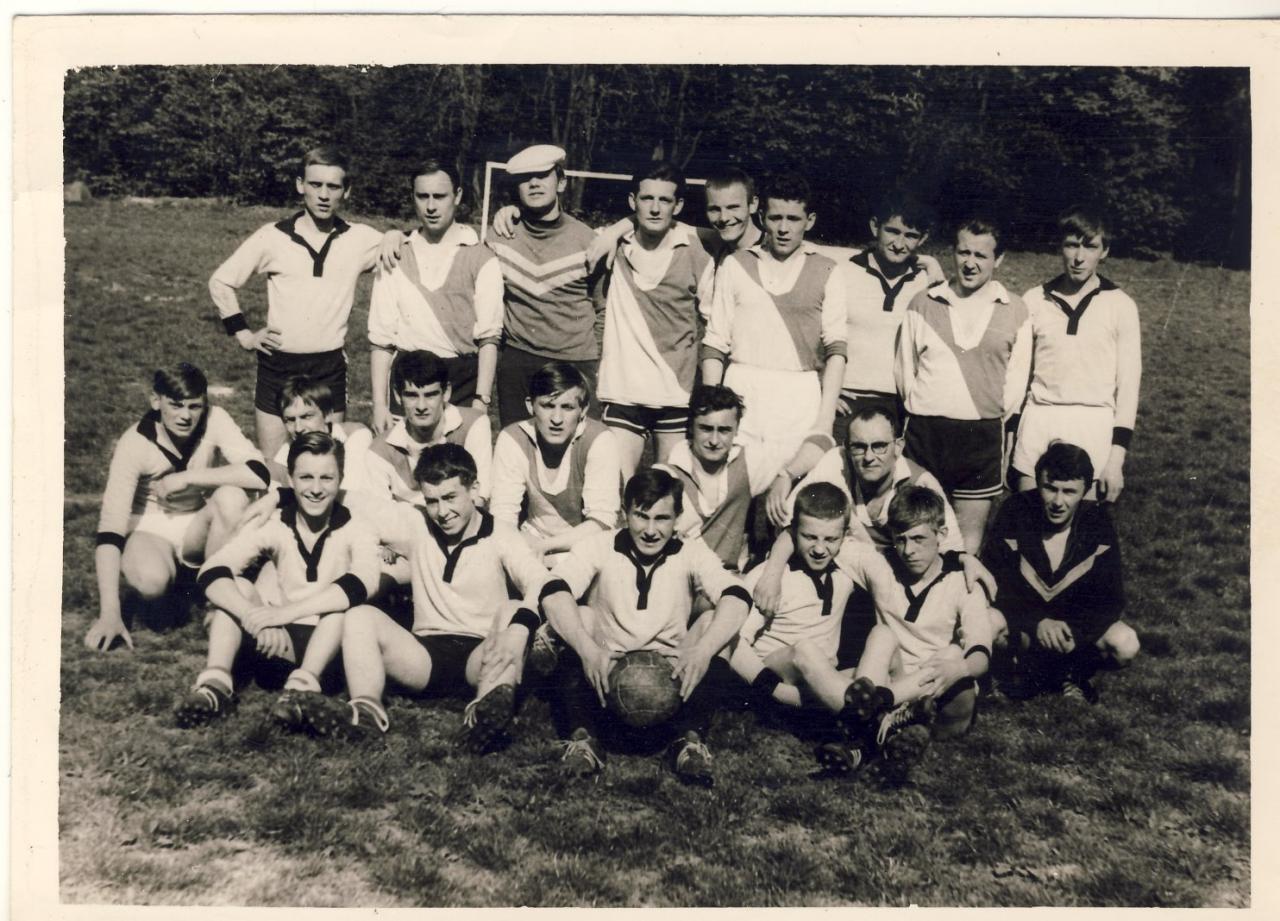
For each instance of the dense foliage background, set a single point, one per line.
(1166, 149)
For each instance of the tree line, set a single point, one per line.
(1165, 150)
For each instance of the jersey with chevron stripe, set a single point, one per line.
(550, 298)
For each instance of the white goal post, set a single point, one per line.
(491, 165)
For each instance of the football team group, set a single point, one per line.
(879, 494)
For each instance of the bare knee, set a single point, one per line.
(999, 628)
(956, 715)
(148, 576)
(229, 502)
(1120, 643)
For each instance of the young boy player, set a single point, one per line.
(1087, 361)
(921, 662)
(312, 262)
(324, 562)
(176, 487)
(640, 583)
(1056, 558)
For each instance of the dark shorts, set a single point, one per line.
(449, 653)
(274, 369)
(966, 455)
(270, 672)
(516, 366)
(853, 402)
(641, 420)
(463, 371)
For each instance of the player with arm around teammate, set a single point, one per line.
(306, 405)
(1056, 558)
(468, 636)
(639, 584)
(324, 562)
(1086, 362)
(175, 489)
(917, 677)
(312, 261)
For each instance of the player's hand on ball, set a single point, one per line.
(505, 220)
(104, 631)
(597, 663)
(689, 668)
(1111, 483)
(389, 249)
(1055, 635)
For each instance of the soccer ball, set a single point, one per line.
(642, 690)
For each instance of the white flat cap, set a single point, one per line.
(536, 159)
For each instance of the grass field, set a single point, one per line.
(1141, 800)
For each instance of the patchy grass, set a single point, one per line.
(1142, 800)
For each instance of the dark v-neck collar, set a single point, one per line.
(338, 516)
(1074, 315)
(646, 566)
(452, 554)
(150, 426)
(916, 599)
(822, 583)
(289, 227)
(891, 290)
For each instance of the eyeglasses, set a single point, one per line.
(877, 448)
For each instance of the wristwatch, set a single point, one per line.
(484, 398)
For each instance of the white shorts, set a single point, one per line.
(1088, 427)
(168, 526)
(781, 407)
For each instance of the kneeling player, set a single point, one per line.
(918, 669)
(174, 492)
(324, 562)
(640, 583)
(1056, 558)
(790, 656)
(461, 568)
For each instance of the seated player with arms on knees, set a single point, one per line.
(176, 487)
(870, 469)
(777, 327)
(1056, 557)
(306, 405)
(461, 567)
(790, 656)
(324, 562)
(1086, 362)
(719, 475)
(918, 673)
(556, 476)
(420, 381)
(444, 297)
(640, 583)
(312, 262)
(649, 355)
(961, 367)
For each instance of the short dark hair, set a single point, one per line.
(913, 505)
(650, 486)
(904, 204)
(183, 381)
(983, 225)
(433, 165)
(786, 187)
(726, 176)
(557, 377)
(867, 413)
(712, 398)
(824, 501)
(661, 170)
(326, 155)
(418, 368)
(1063, 461)
(308, 390)
(438, 463)
(320, 443)
(1085, 221)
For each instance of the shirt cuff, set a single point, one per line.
(1121, 436)
(832, 349)
(737, 591)
(259, 469)
(527, 619)
(109, 539)
(353, 588)
(553, 586)
(1011, 424)
(710, 351)
(234, 323)
(210, 576)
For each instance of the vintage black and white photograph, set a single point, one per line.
(684, 484)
